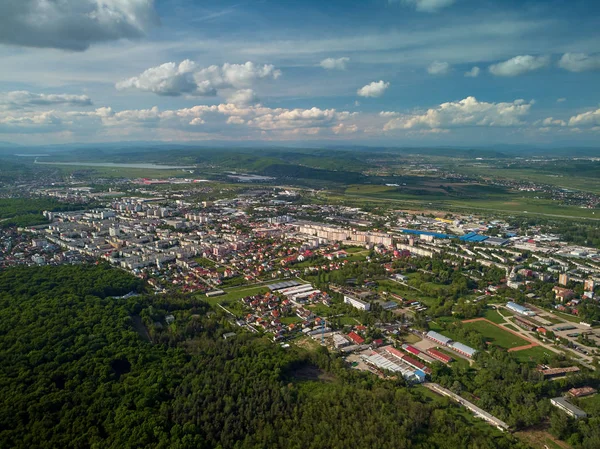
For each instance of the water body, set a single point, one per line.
(119, 165)
(31, 155)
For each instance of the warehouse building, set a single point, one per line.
(462, 349)
(439, 355)
(519, 309)
(570, 409)
(438, 338)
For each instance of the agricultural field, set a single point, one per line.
(516, 203)
(495, 335)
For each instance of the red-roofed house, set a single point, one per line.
(357, 339)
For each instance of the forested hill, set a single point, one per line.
(76, 373)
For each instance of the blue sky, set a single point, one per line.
(381, 72)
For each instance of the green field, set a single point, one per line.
(291, 319)
(514, 203)
(537, 354)
(493, 316)
(124, 172)
(511, 327)
(495, 335)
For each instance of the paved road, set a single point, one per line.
(480, 413)
(581, 358)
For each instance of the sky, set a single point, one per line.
(357, 72)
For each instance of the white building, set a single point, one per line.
(357, 303)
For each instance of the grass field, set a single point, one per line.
(537, 354)
(291, 319)
(516, 204)
(496, 335)
(512, 328)
(411, 338)
(493, 316)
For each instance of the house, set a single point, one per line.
(563, 294)
(356, 339)
(580, 392)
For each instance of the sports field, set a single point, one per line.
(536, 355)
(496, 335)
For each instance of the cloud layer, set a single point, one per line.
(464, 113)
(579, 62)
(374, 89)
(427, 5)
(186, 78)
(73, 24)
(24, 99)
(519, 65)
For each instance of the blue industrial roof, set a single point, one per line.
(473, 237)
(421, 375)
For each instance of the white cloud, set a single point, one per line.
(550, 122)
(344, 129)
(243, 97)
(438, 68)
(519, 65)
(427, 5)
(171, 79)
(374, 89)
(334, 64)
(226, 120)
(389, 114)
(168, 79)
(561, 100)
(579, 62)
(24, 99)
(73, 24)
(590, 118)
(473, 73)
(233, 120)
(463, 113)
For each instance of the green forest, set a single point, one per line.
(28, 211)
(83, 366)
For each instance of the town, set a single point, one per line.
(395, 292)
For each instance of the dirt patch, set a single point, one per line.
(521, 348)
(541, 439)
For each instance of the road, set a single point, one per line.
(581, 358)
(479, 413)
